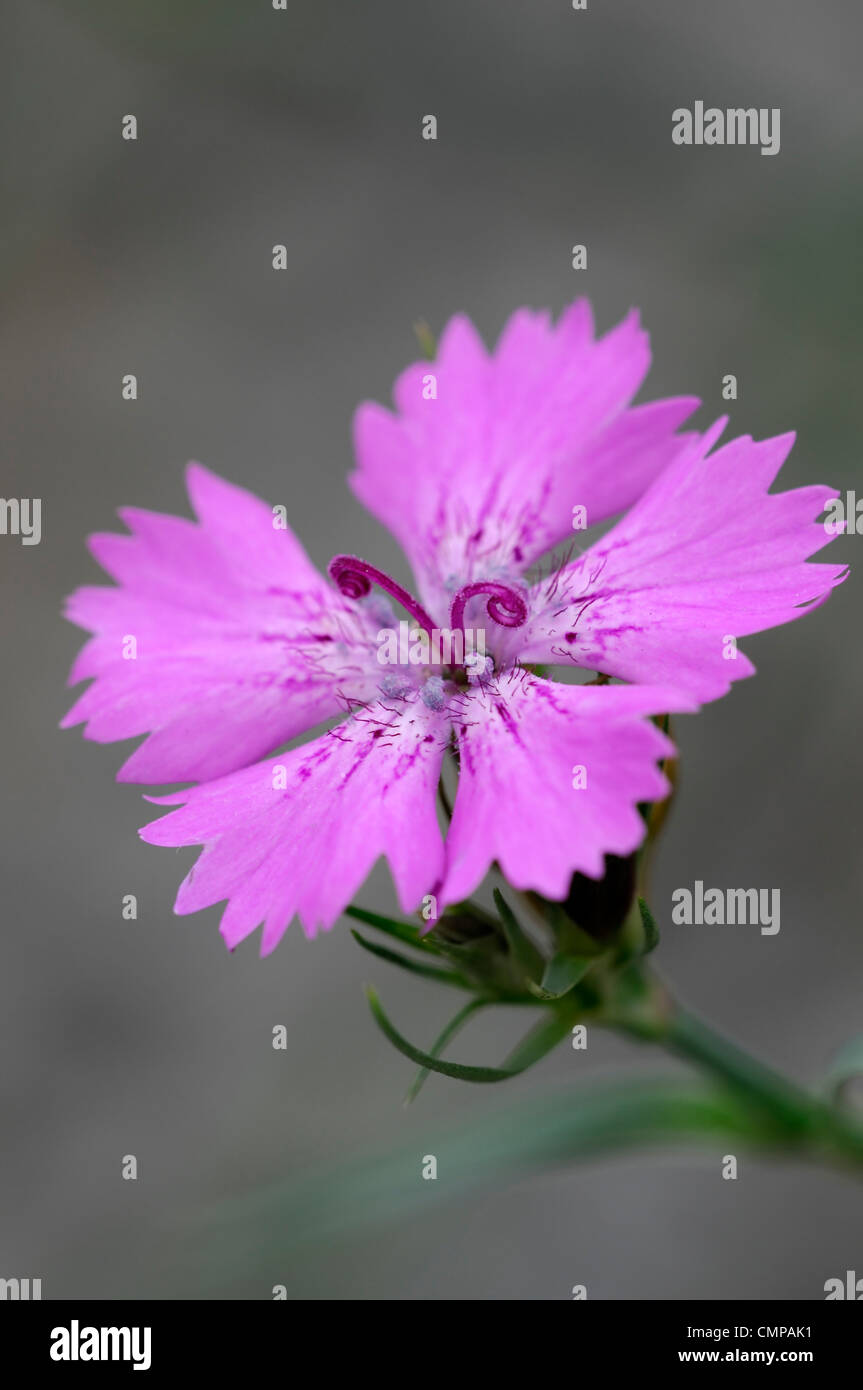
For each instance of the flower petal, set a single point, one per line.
(479, 479)
(705, 557)
(521, 741)
(222, 642)
(298, 836)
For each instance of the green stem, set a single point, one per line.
(794, 1115)
(792, 1107)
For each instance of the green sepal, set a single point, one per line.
(571, 939)
(520, 944)
(561, 975)
(651, 930)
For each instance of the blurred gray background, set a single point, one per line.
(257, 127)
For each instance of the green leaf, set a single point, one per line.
(457, 1070)
(847, 1066)
(523, 949)
(561, 975)
(369, 1193)
(454, 1026)
(651, 930)
(545, 1035)
(402, 931)
(430, 972)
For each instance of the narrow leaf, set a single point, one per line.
(402, 931)
(375, 1191)
(454, 1026)
(545, 1035)
(430, 972)
(454, 1069)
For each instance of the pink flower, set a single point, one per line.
(223, 643)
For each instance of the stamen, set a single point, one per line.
(433, 694)
(506, 605)
(479, 668)
(355, 577)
